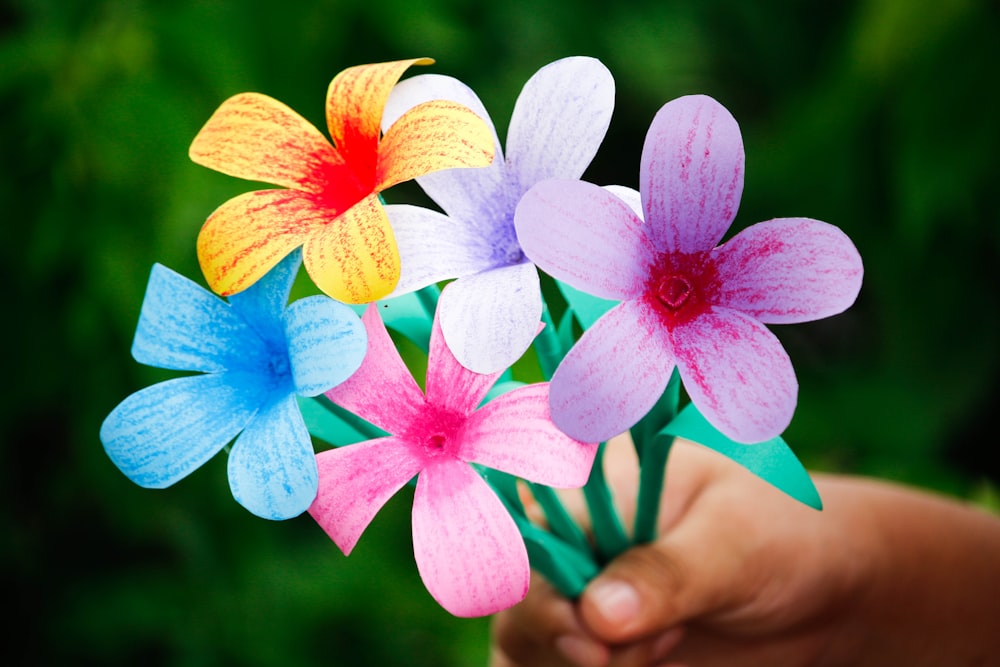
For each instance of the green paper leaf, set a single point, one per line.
(335, 425)
(412, 314)
(587, 308)
(772, 460)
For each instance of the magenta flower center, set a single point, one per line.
(436, 432)
(681, 286)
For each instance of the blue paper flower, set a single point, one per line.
(254, 356)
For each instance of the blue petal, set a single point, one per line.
(326, 343)
(159, 435)
(263, 303)
(272, 467)
(182, 326)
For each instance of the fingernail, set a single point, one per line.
(666, 643)
(616, 601)
(582, 652)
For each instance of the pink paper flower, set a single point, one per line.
(468, 550)
(684, 301)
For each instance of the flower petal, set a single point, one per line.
(469, 552)
(478, 197)
(258, 138)
(382, 390)
(162, 433)
(354, 258)
(449, 382)
(490, 319)
(559, 121)
(585, 236)
(262, 305)
(435, 247)
(514, 433)
(736, 373)
(430, 137)
(354, 103)
(326, 343)
(183, 326)
(613, 375)
(789, 270)
(249, 234)
(272, 468)
(691, 174)
(356, 481)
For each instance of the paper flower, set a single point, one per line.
(331, 206)
(490, 314)
(685, 302)
(468, 549)
(254, 356)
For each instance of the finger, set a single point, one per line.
(693, 570)
(544, 629)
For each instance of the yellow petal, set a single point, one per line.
(355, 101)
(354, 259)
(429, 137)
(245, 237)
(258, 138)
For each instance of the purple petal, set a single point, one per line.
(183, 326)
(450, 383)
(356, 481)
(691, 175)
(559, 121)
(628, 195)
(435, 247)
(161, 434)
(613, 375)
(326, 343)
(585, 236)
(515, 433)
(382, 390)
(737, 374)
(479, 197)
(789, 270)
(272, 469)
(489, 319)
(469, 552)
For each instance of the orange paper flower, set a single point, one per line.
(329, 204)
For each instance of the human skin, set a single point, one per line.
(743, 575)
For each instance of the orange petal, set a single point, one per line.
(354, 258)
(354, 104)
(432, 136)
(258, 138)
(245, 237)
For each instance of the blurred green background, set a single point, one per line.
(879, 116)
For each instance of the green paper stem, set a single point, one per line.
(560, 522)
(652, 472)
(609, 534)
(368, 430)
(548, 347)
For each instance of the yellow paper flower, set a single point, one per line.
(329, 203)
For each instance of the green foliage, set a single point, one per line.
(878, 116)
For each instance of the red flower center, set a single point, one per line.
(674, 291)
(681, 286)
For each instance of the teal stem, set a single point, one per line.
(559, 520)
(362, 426)
(548, 347)
(652, 472)
(610, 539)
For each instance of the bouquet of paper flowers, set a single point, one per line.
(554, 314)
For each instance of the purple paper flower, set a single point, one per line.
(685, 302)
(468, 550)
(490, 315)
(254, 356)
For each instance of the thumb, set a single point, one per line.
(652, 588)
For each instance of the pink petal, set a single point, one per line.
(691, 174)
(356, 481)
(489, 319)
(449, 383)
(585, 236)
(737, 374)
(515, 433)
(469, 552)
(382, 389)
(613, 375)
(789, 270)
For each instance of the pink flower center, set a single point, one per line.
(681, 286)
(437, 432)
